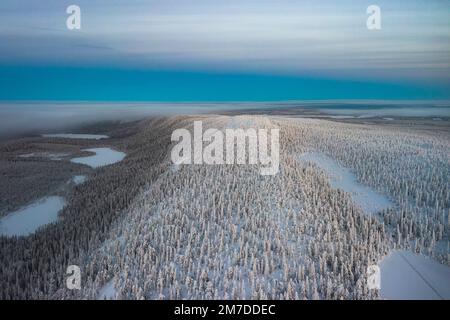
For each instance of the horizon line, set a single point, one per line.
(205, 102)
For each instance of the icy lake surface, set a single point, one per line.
(76, 136)
(102, 157)
(342, 178)
(405, 275)
(27, 220)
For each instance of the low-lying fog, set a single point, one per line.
(38, 118)
(47, 117)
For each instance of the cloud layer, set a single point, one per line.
(321, 38)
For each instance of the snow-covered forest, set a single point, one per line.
(146, 229)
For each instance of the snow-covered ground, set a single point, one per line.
(76, 136)
(342, 178)
(27, 220)
(108, 291)
(78, 179)
(102, 157)
(341, 117)
(405, 275)
(409, 110)
(50, 155)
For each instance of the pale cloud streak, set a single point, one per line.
(296, 37)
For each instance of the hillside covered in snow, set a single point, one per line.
(346, 196)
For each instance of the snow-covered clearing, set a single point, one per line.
(78, 179)
(342, 178)
(50, 155)
(108, 291)
(405, 275)
(76, 136)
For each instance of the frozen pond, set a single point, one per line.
(76, 136)
(102, 157)
(405, 275)
(27, 220)
(342, 178)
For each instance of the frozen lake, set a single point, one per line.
(342, 178)
(27, 220)
(102, 157)
(76, 136)
(405, 275)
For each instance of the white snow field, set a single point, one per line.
(342, 178)
(407, 276)
(102, 157)
(108, 291)
(78, 179)
(76, 136)
(341, 117)
(52, 156)
(27, 220)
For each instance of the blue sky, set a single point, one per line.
(209, 50)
